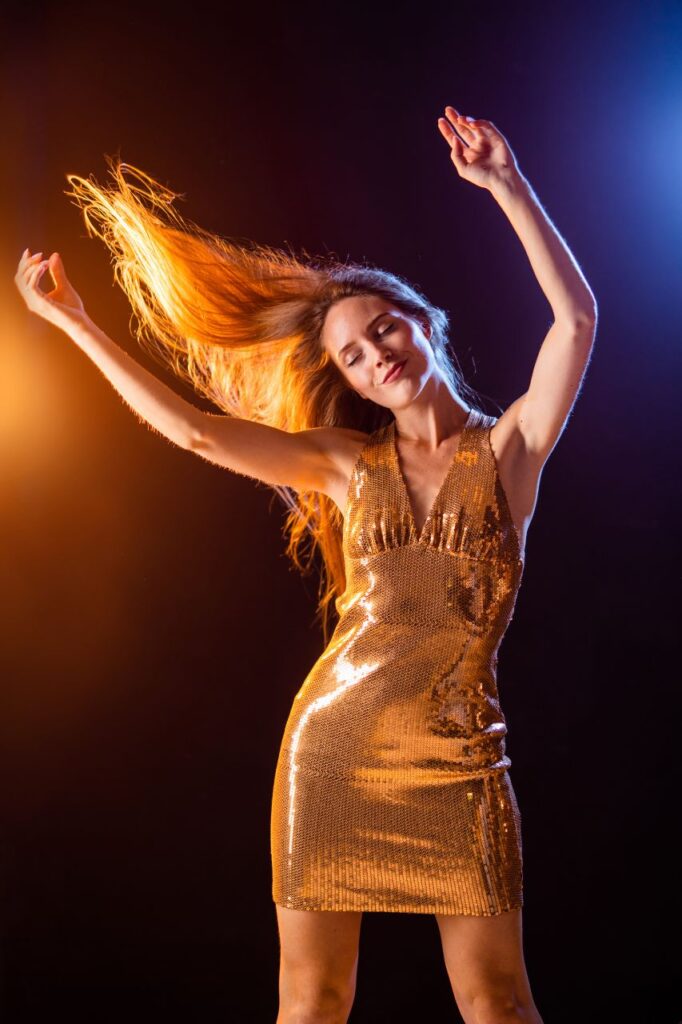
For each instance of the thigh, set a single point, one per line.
(484, 956)
(319, 946)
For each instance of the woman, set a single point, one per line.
(392, 789)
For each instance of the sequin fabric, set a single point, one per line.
(392, 789)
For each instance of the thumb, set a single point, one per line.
(57, 267)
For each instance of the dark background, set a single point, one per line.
(153, 634)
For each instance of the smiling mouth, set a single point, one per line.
(395, 372)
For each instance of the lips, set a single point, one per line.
(391, 375)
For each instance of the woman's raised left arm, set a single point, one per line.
(486, 159)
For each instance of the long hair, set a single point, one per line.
(241, 323)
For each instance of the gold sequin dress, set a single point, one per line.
(392, 789)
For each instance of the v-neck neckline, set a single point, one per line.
(406, 494)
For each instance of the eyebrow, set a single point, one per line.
(369, 326)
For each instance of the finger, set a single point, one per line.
(29, 277)
(466, 128)
(457, 146)
(22, 275)
(457, 155)
(31, 261)
(486, 128)
(36, 272)
(459, 120)
(34, 262)
(57, 264)
(59, 274)
(447, 131)
(465, 131)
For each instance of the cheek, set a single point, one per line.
(352, 380)
(423, 356)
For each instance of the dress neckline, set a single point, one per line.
(403, 486)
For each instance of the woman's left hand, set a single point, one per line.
(485, 157)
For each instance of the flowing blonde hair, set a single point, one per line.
(242, 324)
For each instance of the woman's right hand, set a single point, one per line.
(60, 305)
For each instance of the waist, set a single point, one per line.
(415, 585)
(363, 769)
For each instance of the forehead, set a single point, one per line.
(348, 318)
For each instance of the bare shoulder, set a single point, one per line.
(342, 446)
(519, 469)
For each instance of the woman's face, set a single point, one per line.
(368, 337)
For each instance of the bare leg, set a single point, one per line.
(318, 965)
(485, 964)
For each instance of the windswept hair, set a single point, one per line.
(242, 322)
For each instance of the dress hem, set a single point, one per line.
(378, 908)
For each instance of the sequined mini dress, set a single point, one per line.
(392, 789)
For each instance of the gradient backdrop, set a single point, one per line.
(153, 634)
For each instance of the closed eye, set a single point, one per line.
(380, 335)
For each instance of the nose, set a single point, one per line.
(385, 364)
(384, 354)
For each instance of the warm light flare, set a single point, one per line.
(33, 409)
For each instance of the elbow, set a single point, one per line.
(194, 440)
(581, 319)
(585, 331)
(580, 312)
(586, 313)
(588, 316)
(196, 431)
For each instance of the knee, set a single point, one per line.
(503, 1008)
(315, 1003)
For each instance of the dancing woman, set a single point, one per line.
(338, 389)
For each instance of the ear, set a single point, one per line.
(426, 326)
